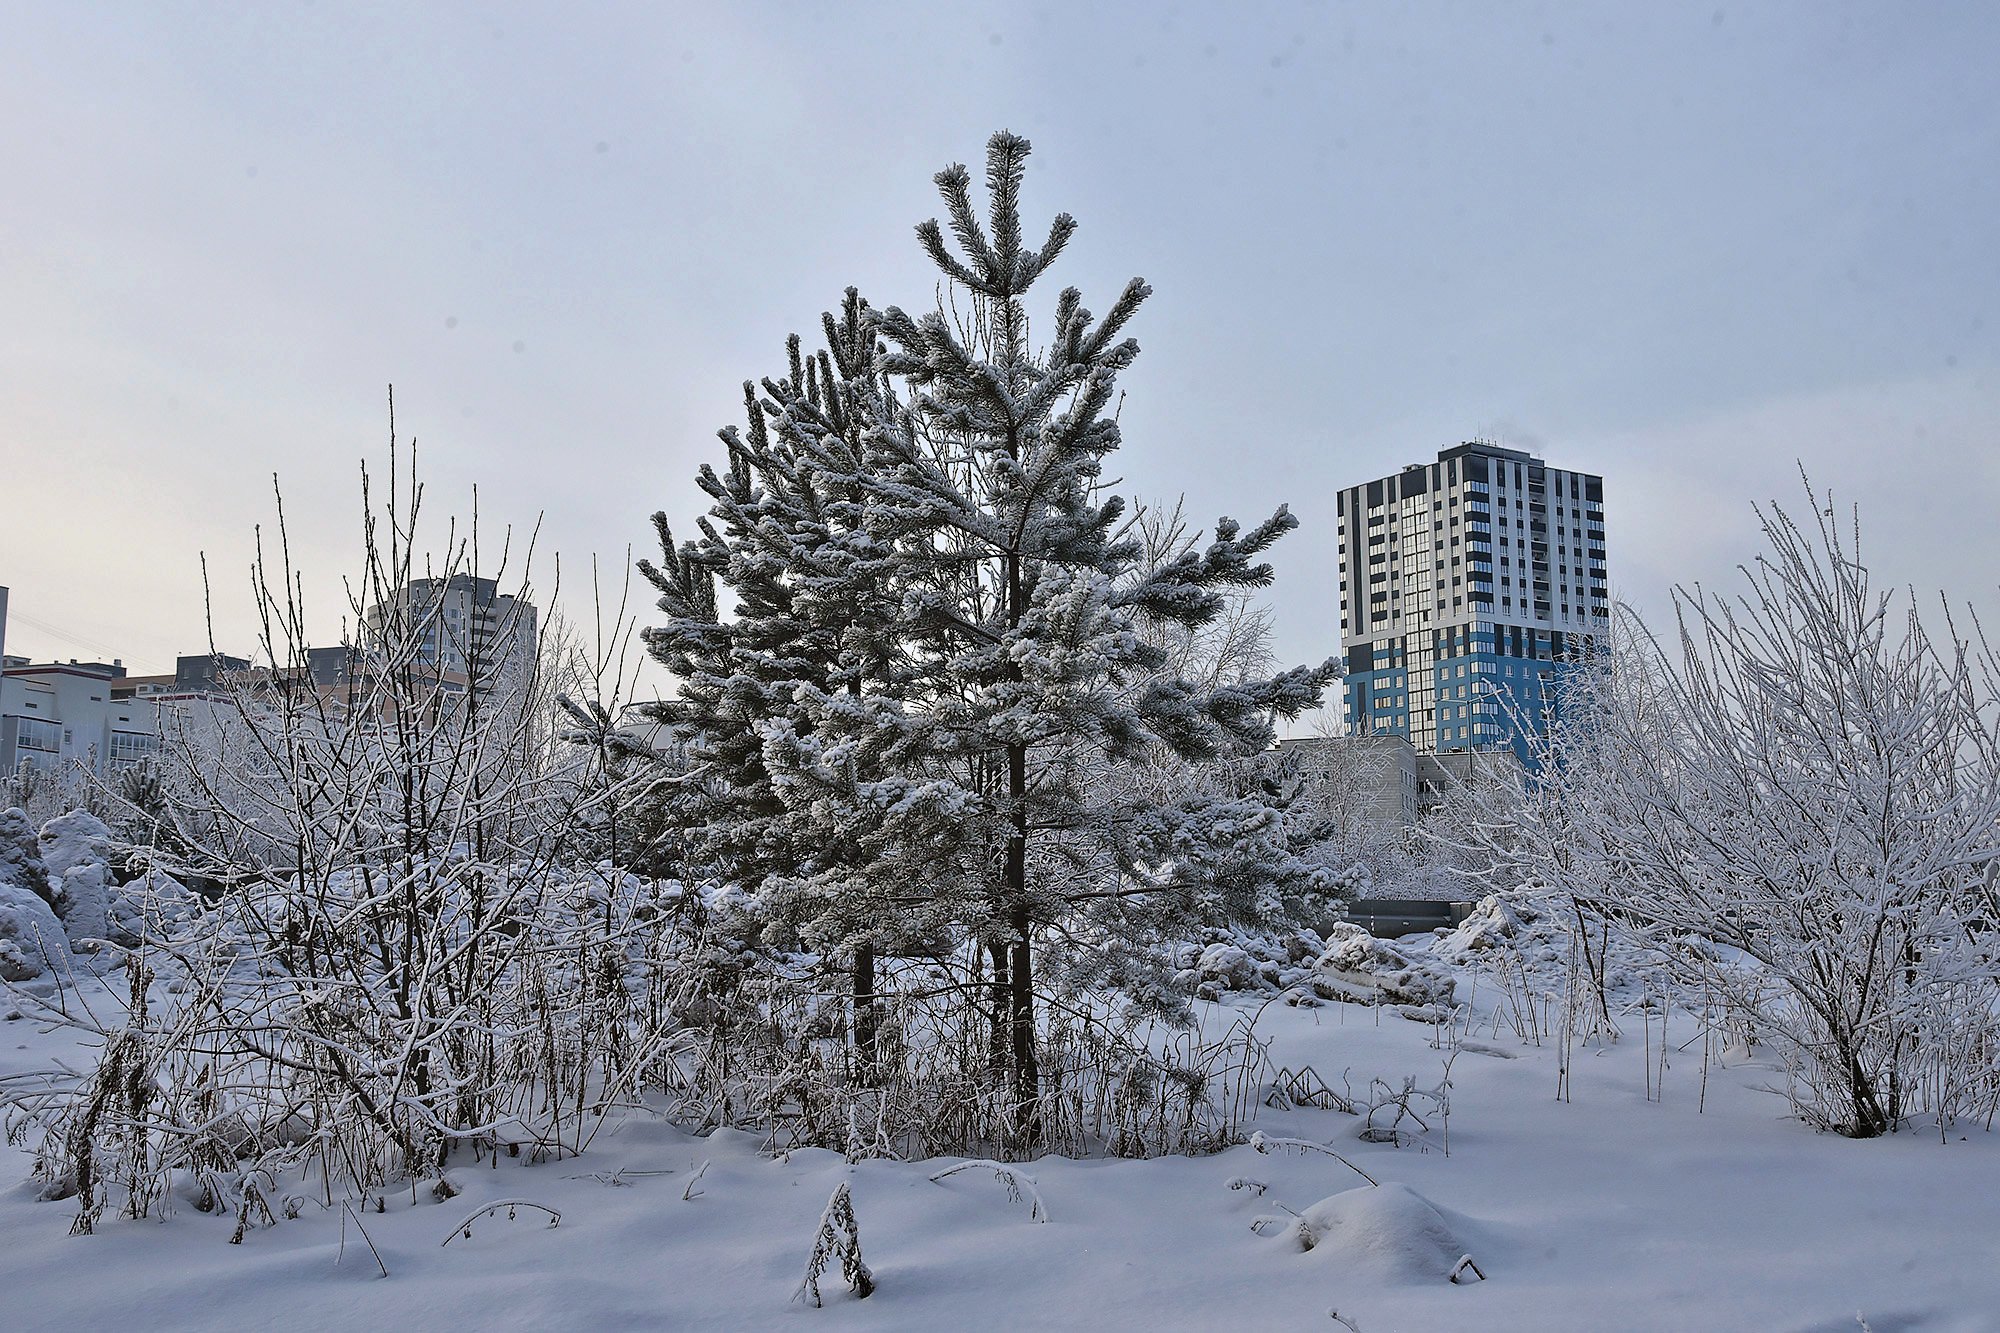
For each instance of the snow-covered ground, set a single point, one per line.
(1609, 1212)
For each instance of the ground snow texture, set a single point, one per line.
(1609, 1212)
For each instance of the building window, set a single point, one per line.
(130, 746)
(40, 734)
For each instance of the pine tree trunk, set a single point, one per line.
(865, 1015)
(1001, 1004)
(1027, 1070)
(1014, 877)
(1020, 971)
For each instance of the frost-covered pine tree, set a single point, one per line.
(1022, 589)
(803, 823)
(1007, 600)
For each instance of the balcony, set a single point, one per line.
(128, 747)
(40, 735)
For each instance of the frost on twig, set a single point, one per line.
(1017, 1182)
(1465, 1265)
(1304, 1087)
(1266, 1143)
(347, 1213)
(1400, 1104)
(251, 1208)
(487, 1210)
(839, 1234)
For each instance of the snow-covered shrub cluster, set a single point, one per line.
(1538, 938)
(1346, 963)
(1240, 959)
(403, 948)
(74, 885)
(1794, 808)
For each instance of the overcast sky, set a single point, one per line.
(1682, 246)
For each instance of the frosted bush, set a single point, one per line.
(1792, 803)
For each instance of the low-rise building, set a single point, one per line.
(52, 713)
(1368, 783)
(1377, 784)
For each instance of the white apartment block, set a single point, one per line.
(56, 713)
(1465, 585)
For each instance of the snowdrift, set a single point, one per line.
(1387, 1234)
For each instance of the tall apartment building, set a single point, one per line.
(460, 623)
(1465, 586)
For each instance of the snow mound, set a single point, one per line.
(1357, 967)
(30, 937)
(1386, 1233)
(149, 907)
(71, 840)
(77, 850)
(1498, 923)
(1229, 965)
(21, 854)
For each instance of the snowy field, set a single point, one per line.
(1612, 1211)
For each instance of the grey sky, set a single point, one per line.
(1679, 245)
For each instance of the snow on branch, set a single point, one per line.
(1266, 1143)
(487, 1210)
(1017, 1182)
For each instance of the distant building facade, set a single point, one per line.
(463, 627)
(94, 714)
(1466, 585)
(1370, 781)
(467, 634)
(56, 713)
(1377, 784)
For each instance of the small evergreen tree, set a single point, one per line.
(936, 654)
(807, 831)
(1022, 587)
